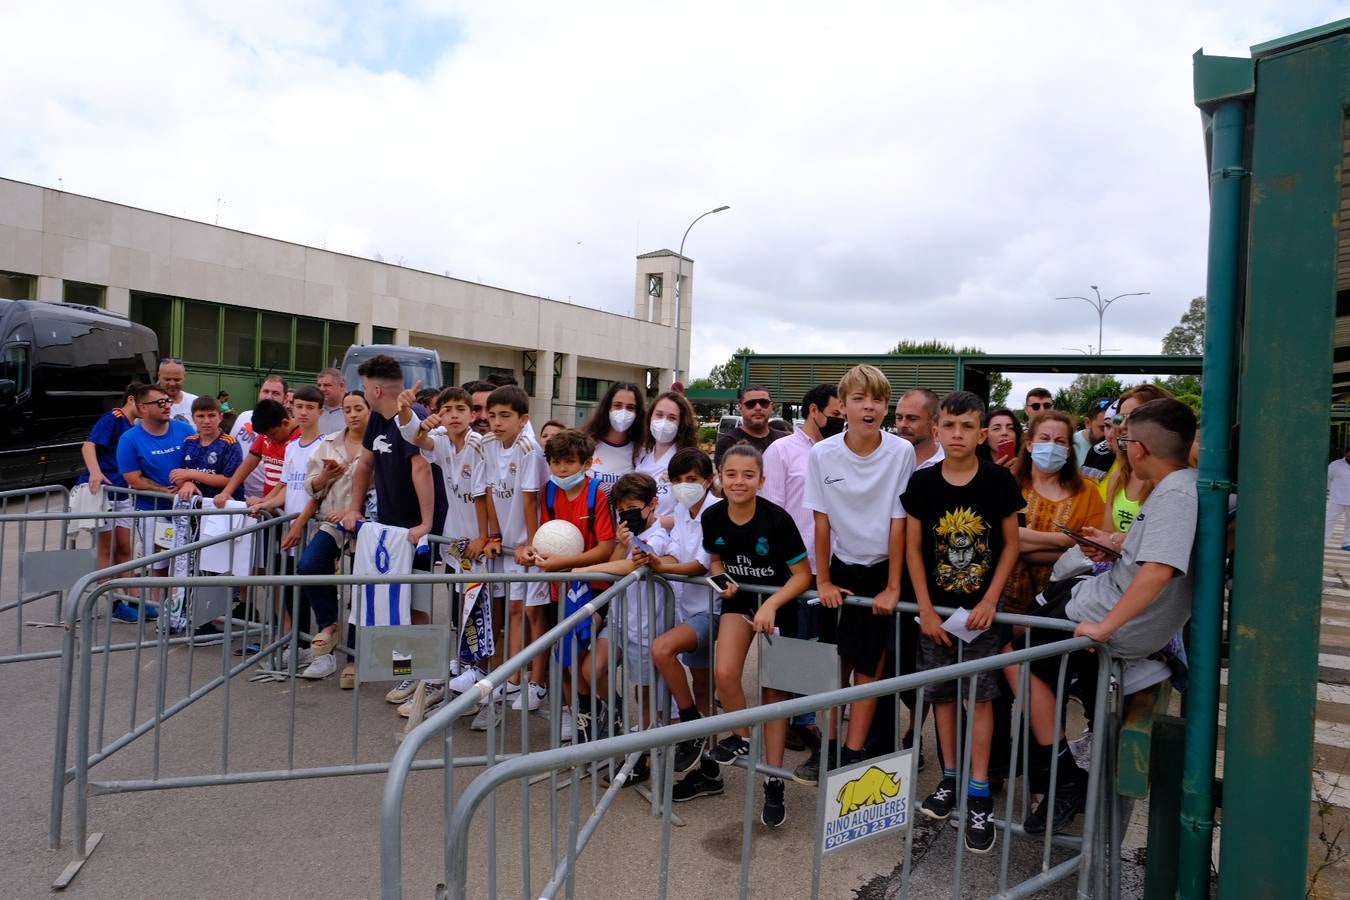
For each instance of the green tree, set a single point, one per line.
(999, 384)
(1187, 337)
(727, 375)
(1078, 396)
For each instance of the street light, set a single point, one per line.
(679, 272)
(1101, 306)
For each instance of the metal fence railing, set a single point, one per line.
(1091, 856)
(175, 680)
(55, 546)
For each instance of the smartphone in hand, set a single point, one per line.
(720, 583)
(1084, 539)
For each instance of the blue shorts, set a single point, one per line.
(703, 625)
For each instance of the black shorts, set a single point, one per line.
(1081, 668)
(862, 637)
(746, 604)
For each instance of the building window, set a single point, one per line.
(308, 345)
(381, 335)
(448, 374)
(201, 332)
(529, 383)
(591, 389)
(276, 342)
(485, 371)
(341, 335)
(156, 313)
(14, 286)
(240, 337)
(85, 294)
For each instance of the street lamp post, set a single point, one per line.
(1101, 306)
(679, 272)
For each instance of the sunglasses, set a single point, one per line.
(1121, 442)
(162, 403)
(758, 401)
(1049, 404)
(1118, 420)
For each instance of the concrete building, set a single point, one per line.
(235, 306)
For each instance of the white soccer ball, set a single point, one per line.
(557, 537)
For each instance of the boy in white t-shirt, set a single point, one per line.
(853, 485)
(290, 493)
(512, 465)
(446, 441)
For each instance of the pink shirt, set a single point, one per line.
(785, 484)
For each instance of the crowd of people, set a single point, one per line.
(960, 507)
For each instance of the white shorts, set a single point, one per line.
(534, 593)
(148, 525)
(109, 520)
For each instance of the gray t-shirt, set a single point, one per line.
(1163, 532)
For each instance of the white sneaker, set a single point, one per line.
(506, 691)
(566, 726)
(402, 691)
(455, 666)
(487, 713)
(321, 667)
(434, 691)
(466, 679)
(534, 696)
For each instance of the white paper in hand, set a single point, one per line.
(956, 625)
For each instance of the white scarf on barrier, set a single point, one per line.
(227, 557)
(183, 565)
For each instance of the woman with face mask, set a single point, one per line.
(1057, 496)
(671, 426)
(616, 425)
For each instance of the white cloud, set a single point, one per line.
(893, 172)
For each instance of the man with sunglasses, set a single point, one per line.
(756, 409)
(1038, 400)
(1101, 456)
(148, 452)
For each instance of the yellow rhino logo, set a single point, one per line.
(870, 788)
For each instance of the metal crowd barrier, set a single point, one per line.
(581, 761)
(94, 744)
(23, 522)
(65, 552)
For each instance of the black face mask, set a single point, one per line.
(833, 425)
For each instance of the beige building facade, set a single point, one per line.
(236, 305)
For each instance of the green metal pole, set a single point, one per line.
(1274, 620)
(1223, 300)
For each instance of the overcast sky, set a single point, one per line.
(893, 171)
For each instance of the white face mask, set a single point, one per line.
(662, 429)
(621, 419)
(687, 494)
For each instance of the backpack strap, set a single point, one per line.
(550, 497)
(592, 492)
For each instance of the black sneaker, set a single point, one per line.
(207, 633)
(730, 749)
(1069, 802)
(696, 784)
(802, 737)
(688, 753)
(979, 824)
(939, 804)
(808, 772)
(774, 812)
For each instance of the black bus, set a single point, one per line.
(61, 367)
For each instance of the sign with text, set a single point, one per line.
(865, 800)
